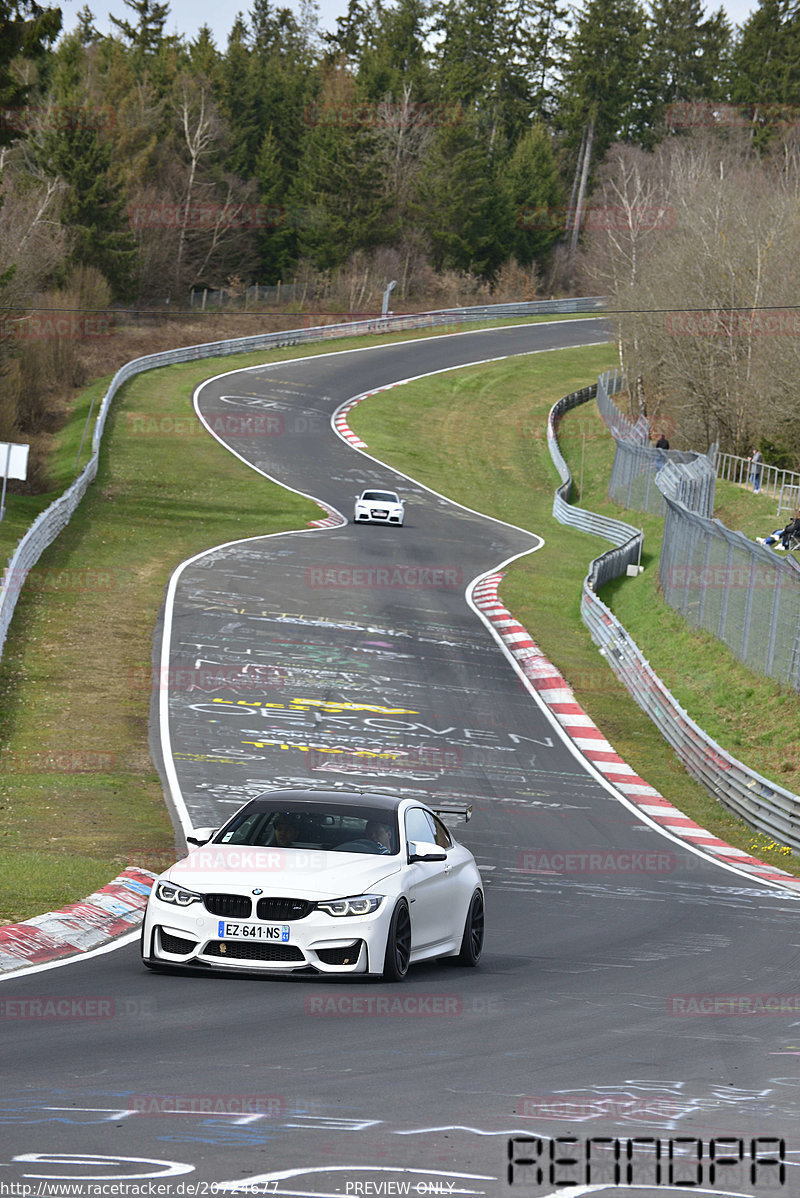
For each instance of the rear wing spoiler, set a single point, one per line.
(462, 809)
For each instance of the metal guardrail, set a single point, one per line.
(763, 804)
(625, 536)
(53, 519)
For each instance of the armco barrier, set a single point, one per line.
(763, 804)
(53, 519)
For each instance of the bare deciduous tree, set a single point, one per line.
(698, 255)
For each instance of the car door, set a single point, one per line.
(429, 885)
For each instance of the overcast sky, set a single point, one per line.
(187, 16)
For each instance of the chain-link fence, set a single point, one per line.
(769, 808)
(636, 463)
(636, 467)
(243, 297)
(739, 591)
(638, 431)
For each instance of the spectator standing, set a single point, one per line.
(755, 461)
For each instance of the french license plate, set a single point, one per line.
(253, 931)
(378, 513)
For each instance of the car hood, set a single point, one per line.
(294, 873)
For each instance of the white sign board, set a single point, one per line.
(13, 460)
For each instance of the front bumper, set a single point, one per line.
(320, 942)
(378, 516)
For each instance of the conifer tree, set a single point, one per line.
(26, 30)
(145, 35)
(766, 61)
(76, 151)
(532, 185)
(467, 217)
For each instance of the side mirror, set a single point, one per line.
(423, 850)
(201, 836)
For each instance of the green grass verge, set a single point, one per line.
(485, 446)
(79, 797)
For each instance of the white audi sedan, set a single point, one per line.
(319, 882)
(379, 507)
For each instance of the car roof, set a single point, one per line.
(331, 798)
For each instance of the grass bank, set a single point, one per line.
(485, 445)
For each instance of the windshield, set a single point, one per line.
(314, 826)
(381, 496)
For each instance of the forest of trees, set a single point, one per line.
(518, 144)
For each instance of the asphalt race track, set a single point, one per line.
(625, 995)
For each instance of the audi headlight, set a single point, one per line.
(362, 904)
(168, 892)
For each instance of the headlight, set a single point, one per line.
(362, 904)
(168, 892)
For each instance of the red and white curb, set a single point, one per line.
(343, 428)
(332, 520)
(108, 913)
(340, 416)
(556, 692)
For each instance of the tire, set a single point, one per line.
(472, 940)
(398, 945)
